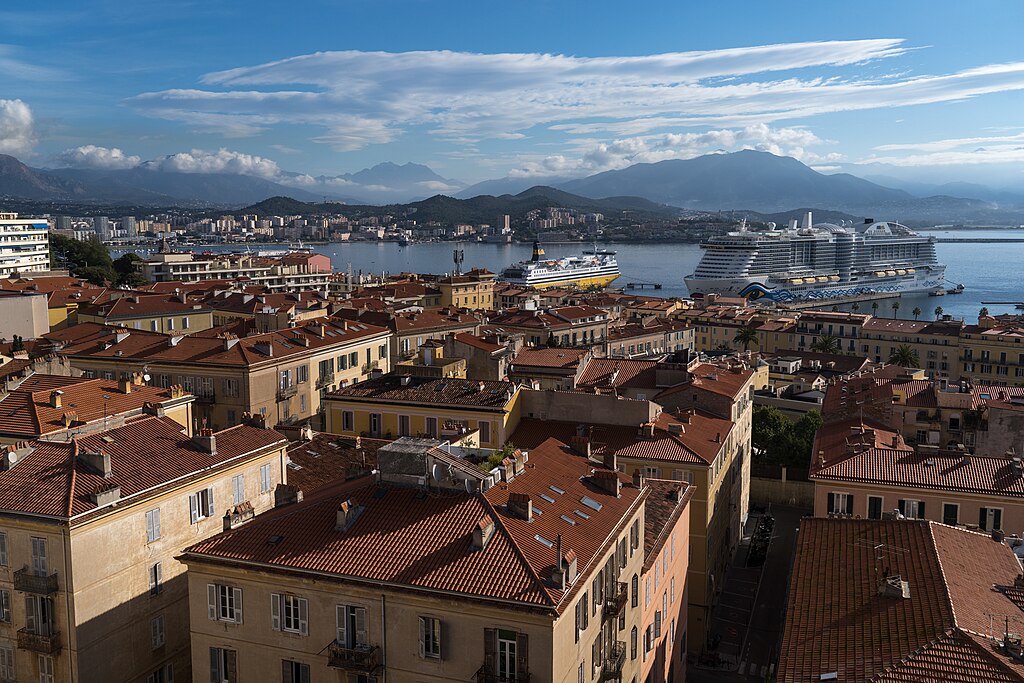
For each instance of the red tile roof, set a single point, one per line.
(837, 621)
(544, 357)
(664, 506)
(605, 373)
(145, 454)
(136, 306)
(429, 390)
(329, 459)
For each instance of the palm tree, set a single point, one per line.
(938, 312)
(856, 306)
(746, 336)
(826, 343)
(895, 308)
(916, 312)
(874, 308)
(905, 356)
(983, 312)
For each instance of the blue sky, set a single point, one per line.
(477, 90)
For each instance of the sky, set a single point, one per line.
(925, 91)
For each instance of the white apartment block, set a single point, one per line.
(24, 246)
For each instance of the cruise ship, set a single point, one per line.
(818, 262)
(597, 268)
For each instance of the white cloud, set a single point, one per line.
(363, 98)
(91, 156)
(436, 186)
(221, 161)
(994, 149)
(17, 127)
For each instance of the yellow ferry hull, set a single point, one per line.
(602, 281)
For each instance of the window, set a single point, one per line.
(4, 561)
(596, 653)
(157, 632)
(353, 359)
(634, 537)
(45, 669)
(657, 623)
(651, 472)
(7, 663)
(40, 565)
(632, 642)
(382, 351)
(950, 514)
(874, 507)
(376, 424)
(200, 504)
(170, 323)
(347, 420)
(289, 613)
(238, 489)
(403, 426)
(430, 637)
(39, 614)
(342, 363)
(432, 427)
(265, 478)
(294, 672)
(582, 615)
(231, 387)
(184, 322)
(635, 590)
(156, 578)
(107, 374)
(581, 676)
(672, 591)
(223, 665)
(285, 379)
(508, 649)
(911, 509)
(647, 592)
(164, 674)
(990, 519)
(224, 603)
(351, 626)
(302, 373)
(5, 606)
(840, 504)
(682, 475)
(485, 431)
(153, 525)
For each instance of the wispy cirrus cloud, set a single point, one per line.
(359, 98)
(993, 149)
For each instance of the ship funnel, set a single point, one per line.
(538, 251)
(808, 220)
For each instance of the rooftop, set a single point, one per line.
(435, 391)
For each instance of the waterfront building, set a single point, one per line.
(90, 530)
(992, 352)
(564, 326)
(649, 336)
(473, 290)
(288, 273)
(166, 313)
(24, 247)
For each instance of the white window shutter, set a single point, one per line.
(361, 626)
(211, 597)
(193, 508)
(238, 604)
(303, 617)
(423, 637)
(342, 614)
(275, 611)
(156, 522)
(150, 534)
(209, 496)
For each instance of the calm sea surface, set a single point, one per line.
(988, 271)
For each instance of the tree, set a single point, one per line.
(18, 343)
(895, 308)
(87, 259)
(874, 308)
(746, 336)
(916, 312)
(835, 309)
(855, 306)
(983, 312)
(938, 312)
(127, 274)
(779, 441)
(905, 356)
(97, 275)
(826, 343)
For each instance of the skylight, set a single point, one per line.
(547, 498)
(557, 490)
(568, 519)
(582, 514)
(591, 503)
(543, 541)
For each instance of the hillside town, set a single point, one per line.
(230, 465)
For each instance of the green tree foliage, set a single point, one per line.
(779, 441)
(938, 312)
(746, 336)
(905, 356)
(916, 312)
(87, 259)
(826, 343)
(127, 275)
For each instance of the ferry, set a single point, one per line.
(819, 262)
(596, 268)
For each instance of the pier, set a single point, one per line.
(980, 240)
(643, 285)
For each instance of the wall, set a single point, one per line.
(591, 408)
(24, 315)
(777, 492)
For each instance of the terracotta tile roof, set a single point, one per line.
(551, 318)
(329, 459)
(89, 339)
(412, 321)
(242, 303)
(544, 357)
(830, 362)
(433, 391)
(715, 378)
(26, 412)
(480, 342)
(605, 373)
(837, 621)
(145, 454)
(135, 306)
(662, 509)
(14, 367)
(902, 326)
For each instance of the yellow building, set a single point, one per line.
(166, 313)
(90, 587)
(474, 290)
(992, 353)
(536, 578)
(404, 405)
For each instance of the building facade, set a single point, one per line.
(24, 247)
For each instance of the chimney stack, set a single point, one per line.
(482, 532)
(347, 514)
(124, 385)
(98, 462)
(607, 481)
(520, 505)
(205, 439)
(55, 398)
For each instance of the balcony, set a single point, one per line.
(325, 380)
(285, 393)
(47, 644)
(206, 397)
(372, 365)
(615, 599)
(27, 581)
(489, 675)
(361, 658)
(614, 660)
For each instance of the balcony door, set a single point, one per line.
(507, 644)
(40, 565)
(39, 615)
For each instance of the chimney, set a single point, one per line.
(520, 505)
(638, 479)
(124, 385)
(348, 512)
(16, 452)
(55, 400)
(205, 439)
(482, 532)
(607, 481)
(98, 462)
(565, 566)
(229, 341)
(609, 459)
(69, 418)
(106, 494)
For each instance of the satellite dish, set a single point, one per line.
(438, 472)
(12, 458)
(146, 377)
(470, 486)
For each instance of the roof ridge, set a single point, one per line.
(531, 572)
(942, 571)
(71, 483)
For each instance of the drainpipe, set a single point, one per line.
(383, 636)
(64, 533)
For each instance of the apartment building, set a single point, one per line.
(405, 405)
(63, 295)
(165, 313)
(531, 578)
(61, 407)
(410, 329)
(24, 314)
(279, 375)
(276, 274)
(269, 310)
(488, 357)
(24, 246)
(632, 340)
(473, 290)
(900, 600)
(561, 326)
(934, 342)
(992, 352)
(90, 587)
(542, 367)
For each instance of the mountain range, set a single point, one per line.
(745, 181)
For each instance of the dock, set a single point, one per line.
(643, 285)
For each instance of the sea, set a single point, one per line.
(989, 271)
